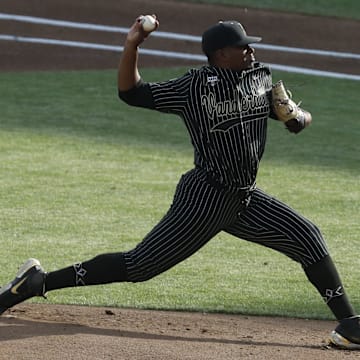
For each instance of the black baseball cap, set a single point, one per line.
(224, 34)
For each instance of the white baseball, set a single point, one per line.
(148, 23)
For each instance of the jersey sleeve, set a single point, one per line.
(171, 96)
(140, 95)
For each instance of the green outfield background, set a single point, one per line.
(83, 174)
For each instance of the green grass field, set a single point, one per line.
(83, 173)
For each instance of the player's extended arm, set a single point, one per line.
(128, 73)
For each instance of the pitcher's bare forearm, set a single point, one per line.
(128, 72)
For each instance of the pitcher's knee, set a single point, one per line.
(140, 270)
(141, 276)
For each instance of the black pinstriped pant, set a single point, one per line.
(200, 211)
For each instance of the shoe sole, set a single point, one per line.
(27, 266)
(342, 343)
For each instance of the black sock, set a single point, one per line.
(324, 276)
(102, 269)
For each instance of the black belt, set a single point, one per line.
(242, 192)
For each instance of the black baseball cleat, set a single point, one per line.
(29, 282)
(347, 334)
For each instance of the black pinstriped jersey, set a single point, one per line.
(226, 115)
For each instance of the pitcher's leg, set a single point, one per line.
(271, 223)
(192, 220)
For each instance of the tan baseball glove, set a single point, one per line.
(284, 108)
